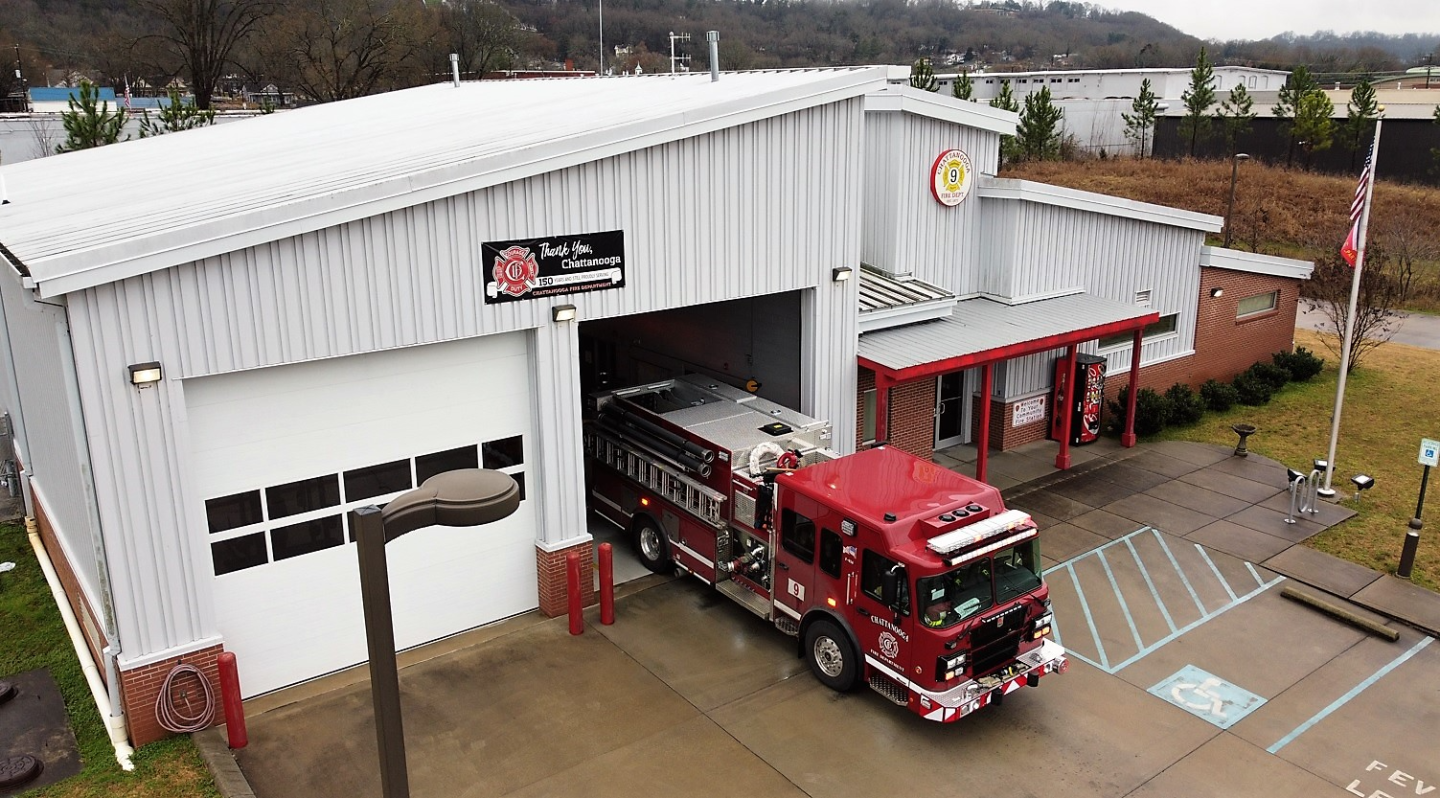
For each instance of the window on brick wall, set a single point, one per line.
(1165, 325)
(1260, 303)
(867, 418)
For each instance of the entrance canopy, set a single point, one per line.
(982, 332)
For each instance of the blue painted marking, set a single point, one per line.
(1095, 550)
(1181, 571)
(1090, 619)
(1255, 573)
(1344, 699)
(1124, 606)
(1150, 649)
(1207, 696)
(1211, 563)
(1145, 572)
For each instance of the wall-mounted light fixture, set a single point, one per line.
(1216, 293)
(562, 313)
(143, 375)
(841, 273)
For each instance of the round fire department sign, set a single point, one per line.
(950, 178)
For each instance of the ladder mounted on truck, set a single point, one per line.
(666, 480)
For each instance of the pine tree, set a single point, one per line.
(175, 117)
(922, 76)
(1360, 112)
(1038, 135)
(89, 122)
(1137, 124)
(1005, 100)
(1197, 100)
(1286, 105)
(963, 88)
(1314, 128)
(1235, 115)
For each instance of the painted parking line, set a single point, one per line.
(1171, 566)
(1345, 699)
(1207, 696)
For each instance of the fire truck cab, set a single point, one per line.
(889, 570)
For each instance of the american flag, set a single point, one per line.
(1350, 250)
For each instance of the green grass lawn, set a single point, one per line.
(35, 638)
(1389, 407)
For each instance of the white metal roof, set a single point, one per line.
(1044, 193)
(980, 325)
(1235, 260)
(887, 301)
(943, 107)
(97, 216)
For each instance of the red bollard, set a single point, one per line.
(607, 584)
(230, 697)
(572, 585)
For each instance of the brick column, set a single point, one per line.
(140, 689)
(550, 577)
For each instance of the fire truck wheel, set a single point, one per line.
(832, 658)
(652, 547)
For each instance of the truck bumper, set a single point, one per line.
(956, 703)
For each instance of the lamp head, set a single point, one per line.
(1292, 476)
(1321, 464)
(1363, 482)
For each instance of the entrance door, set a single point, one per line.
(950, 426)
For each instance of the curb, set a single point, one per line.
(220, 761)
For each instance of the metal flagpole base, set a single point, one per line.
(1328, 494)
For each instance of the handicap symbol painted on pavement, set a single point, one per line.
(1207, 696)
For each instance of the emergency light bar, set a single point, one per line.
(978, 532)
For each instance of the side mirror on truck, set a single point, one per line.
(892, 584)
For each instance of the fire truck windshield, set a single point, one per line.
(972, 588)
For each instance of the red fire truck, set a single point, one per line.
(887, 568)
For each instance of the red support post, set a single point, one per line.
(1127, 438)
(1066, 405)
(572, 585)
(882, 408)
(982, 439)
(230, 699)
(607, 584)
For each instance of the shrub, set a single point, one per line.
(1302, 364)
(1252, 390)
(1151, 410)
(1270, 374)
(1186, 407)
(1219, 396)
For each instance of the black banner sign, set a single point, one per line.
(541, 267)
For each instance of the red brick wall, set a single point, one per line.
(1004, 436)
(550, 569)
(140, 689)
(94, 630)
(911, 421)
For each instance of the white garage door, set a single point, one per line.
(280, 455)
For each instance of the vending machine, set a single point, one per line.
(1087, 403)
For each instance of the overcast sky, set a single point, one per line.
(1261, 19)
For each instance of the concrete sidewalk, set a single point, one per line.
(521, 708)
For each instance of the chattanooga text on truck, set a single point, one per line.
(888, 569)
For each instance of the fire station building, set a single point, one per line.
(221, 341)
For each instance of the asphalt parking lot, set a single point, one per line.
(1190, 676)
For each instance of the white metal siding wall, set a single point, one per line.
(763, 208)
(881, 204)
(936, 243)
(1106, 256)
(37, 332)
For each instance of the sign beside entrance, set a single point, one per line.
(541, 267)
(1028, 411)
(951, 178)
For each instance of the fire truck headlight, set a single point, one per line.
(1042, 626)
(950, 666)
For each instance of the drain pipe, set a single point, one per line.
(114, 724)
(713, 38)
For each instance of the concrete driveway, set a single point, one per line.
(1192, 676)
(1418, 329)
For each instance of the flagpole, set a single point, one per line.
(1327, 491)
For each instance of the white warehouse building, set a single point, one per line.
(205, 373)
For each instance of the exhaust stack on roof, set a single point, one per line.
(713, 37)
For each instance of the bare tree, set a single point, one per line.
(484, 35)
(339, 49)
(202, 34)
(1385, 286)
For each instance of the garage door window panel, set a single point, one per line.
(307, 495)
(428, 465)
(233, 511)
(504, 453)
(239, 553)
(306, 537)
(377, 480)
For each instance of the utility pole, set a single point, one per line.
(682, 59)
(20, 76)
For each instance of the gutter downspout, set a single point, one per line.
(114, 723)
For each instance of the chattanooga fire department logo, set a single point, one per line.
(516, 271)
(889, 646)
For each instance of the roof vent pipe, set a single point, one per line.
(455, 69)
(713, 37)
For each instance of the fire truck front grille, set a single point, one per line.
(884, 686)
(996, 640)
(996, 655)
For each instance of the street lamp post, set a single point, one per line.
(1230, 209)
(466, 497)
